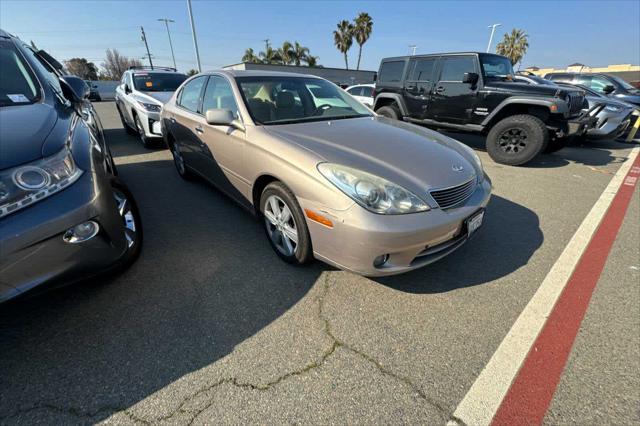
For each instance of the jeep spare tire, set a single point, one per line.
(516, 140)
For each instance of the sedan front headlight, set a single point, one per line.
(374, 193)
(150, 107)
(24, 185)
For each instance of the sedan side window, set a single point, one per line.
(355, 91)
(367, 91)
(219, 94)
(191, 94)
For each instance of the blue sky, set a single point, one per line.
(591, 32)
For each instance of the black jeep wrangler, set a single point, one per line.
(476, 92)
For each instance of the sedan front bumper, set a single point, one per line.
(32, 250)
(411, 241)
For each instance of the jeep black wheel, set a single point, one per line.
(389, 111)
(516, 140)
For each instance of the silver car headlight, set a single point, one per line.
(612, 108)
(374, 193)
(24, 185)
(150, 107)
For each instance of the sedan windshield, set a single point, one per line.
(17, 83)
(622, 83)
(495, 67)
(158, 82)
(281, 100)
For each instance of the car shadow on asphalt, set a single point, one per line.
(123, 144)
(509, 237)
(592, 153)
(206, 281)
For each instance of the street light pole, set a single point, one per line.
(193, 32)
(412, 47)
(493, 30)
(166, 23)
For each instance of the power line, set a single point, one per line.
(166, 22)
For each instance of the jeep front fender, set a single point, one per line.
(560, 105)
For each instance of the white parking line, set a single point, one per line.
(483, 399)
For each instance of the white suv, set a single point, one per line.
(140, 96)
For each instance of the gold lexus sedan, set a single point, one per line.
(327, 177)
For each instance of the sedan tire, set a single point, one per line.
(178, 161)
(132, 223)
(284, 224)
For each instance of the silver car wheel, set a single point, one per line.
(124, 209)
(177, 158)
(281, 225)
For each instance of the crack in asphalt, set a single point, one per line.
(336, 343)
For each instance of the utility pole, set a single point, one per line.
(493, 30)
(193, 32)
(166, 23)
(266, 44)
(144, 38)
(412, 48)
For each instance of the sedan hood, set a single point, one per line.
(414, 157)
(161, 97)
(23, 132)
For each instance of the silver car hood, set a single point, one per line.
(414, 157)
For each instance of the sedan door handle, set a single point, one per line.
(199, 129)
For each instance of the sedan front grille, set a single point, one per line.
(454, 195)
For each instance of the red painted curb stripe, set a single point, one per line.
(532, 390)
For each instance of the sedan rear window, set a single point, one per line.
(17, 83)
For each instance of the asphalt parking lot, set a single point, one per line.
(209, 326)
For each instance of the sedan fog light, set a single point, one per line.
(82, 232)
(380, 260)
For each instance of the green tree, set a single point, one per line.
(343, 39)
(192, 72)
(299, 53)
(82, 68)
(514, 45)
(312, 61)
(250, 56)
(286, 53)
(362, 31)
(270, 56)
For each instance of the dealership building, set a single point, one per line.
(339, 76)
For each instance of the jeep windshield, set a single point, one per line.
(285, 100)
(495, 67)
(157, 82)
(18, 85)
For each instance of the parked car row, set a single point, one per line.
(328, 178)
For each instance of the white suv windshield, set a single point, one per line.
(280, 100)
(157, 82)
(17, 83)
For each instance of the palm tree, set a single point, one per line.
(343, 39)
(312, 61)
(514, 45)
(250, 56)
(286, 53)
(299, 53)
(270, 56)
(362, 31)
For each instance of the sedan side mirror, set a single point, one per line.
(223, 117)
(470, 78)
(608, 89)
(127, 89)
(76, 87)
